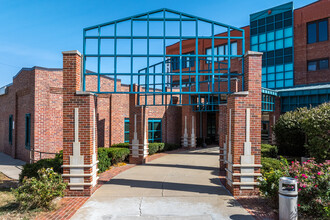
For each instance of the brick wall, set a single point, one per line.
(303, 51)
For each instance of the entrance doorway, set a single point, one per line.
(211, 128)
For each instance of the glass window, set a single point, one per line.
(279, 84)
(263, 70)
(126, 130)
(154, 130)
(289, 74)
(324, 64)
(233, 48)
(254, 48)
(264, 78)
(289, 83)
(254, 39)
(271, 76)
(323, 30)
(270, 36)
(288, 66)
(279, 34)
(288, 22)
(271, 85)
(317, 31)
(254, 24)
(270, 46)
(10, 133)
(28, 131)
(279, 68)
(271, 69)
(279, 44)
(262, 47)
(312, 65)
(288, 32)
(279, 75)
(288, 42)
(262, 38)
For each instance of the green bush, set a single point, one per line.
(269, 164)
(31, 170)
(153, 148)
(104, 159)
(121, 145)
(39, 192)
(161, 147)
(305, 131)
(268, 150)
(199, 142)
(169, 146)
(268, 185)
(112, 155)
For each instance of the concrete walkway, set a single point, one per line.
(10, 167)
(183, 185)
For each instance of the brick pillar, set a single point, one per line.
(222, 135)
(189, 122)
(79, 130)
(138, 130)
(273, 116)
(243, 128)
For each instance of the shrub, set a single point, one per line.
(153, 148)
(118, 155)
(31, 170)
(161, 147)
(169, 146)
(290, 137)
(121, 145)
(104, 159)
(268, 150)
(269, 164)
(199, 142)
(39, 192)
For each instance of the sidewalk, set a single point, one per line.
(10, 167)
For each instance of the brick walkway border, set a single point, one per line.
(69, 205)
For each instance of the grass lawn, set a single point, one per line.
(8, 206)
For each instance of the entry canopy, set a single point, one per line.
(162, 55)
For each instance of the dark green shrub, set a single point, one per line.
(169, 146)
(153, 148)
(269, 164)
(104, 159)
(121, 145)
(31, 170)
(199, 142)
(112, 155)
(268, 150)
(161, 147)
(118, 154)
(39, 192)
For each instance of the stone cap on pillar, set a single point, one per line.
(253, 53)
(72, 52)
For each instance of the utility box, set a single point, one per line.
(288, 199)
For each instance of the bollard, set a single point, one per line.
(288, 199)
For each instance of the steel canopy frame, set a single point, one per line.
(207, 73)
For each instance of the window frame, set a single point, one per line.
(153, 131)
(28, 131)
(126, 120)
(317, 64)
(317, 22)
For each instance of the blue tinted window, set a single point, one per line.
(264, 78)
(271, 76)
(279, 44)
(279, 75)
(270, 36)
(279, 83)
(126, 130)
(262, 38)
(311, 29)
(262, 47)
(289, 74)
(288, 42)
(264, 84)
(288, 66)
(323, 30)
(270, 46)
(288, 32)
(271, 85)
(263, 70)
(289, 82)
(254, 39)
(279, 68)
(279, 34)
(271, 69)
(254, 48)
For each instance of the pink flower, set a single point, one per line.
(298, 205)
(299, 190)
(304, 186)
(292, 162)
(296, 177)
(319, 173)
(316, 186)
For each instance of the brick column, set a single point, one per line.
(222, 135)
(189, 121)
(79, 130)
(138, 130)
(243, 128)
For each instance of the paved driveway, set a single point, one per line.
(183, 185)
(10, 167)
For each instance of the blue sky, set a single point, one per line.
(35, 32)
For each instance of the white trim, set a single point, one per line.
(79, 166)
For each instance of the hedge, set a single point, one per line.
(121, 145)
(169, 146)
(268, 150)
(31, 170)
(270, 163)
(112, 155)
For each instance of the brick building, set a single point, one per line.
(295, 66)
